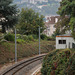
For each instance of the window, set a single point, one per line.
(62, 41)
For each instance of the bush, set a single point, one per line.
(35, 36)
(22, 38)
(59, 62)
(25, 37)
(30, 38)
(73, 34)
(19, 36)
(43, 37)
(51, 38)
(9, 37)
(20, 41)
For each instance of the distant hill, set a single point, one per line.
(44, 7)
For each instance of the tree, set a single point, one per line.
(8, 11)
(57, 32)
(63, 24)
(30, 21)
(67, 8)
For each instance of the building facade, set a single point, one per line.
(49, 25)
(65, 41)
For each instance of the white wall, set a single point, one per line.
(63, 46)
(50, 30)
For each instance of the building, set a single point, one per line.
(65, 41)
(33, 1)
(41, 0)
(49, 25)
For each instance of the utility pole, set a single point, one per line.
(39, 40)
(15, 47)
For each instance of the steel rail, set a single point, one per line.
(15, 68)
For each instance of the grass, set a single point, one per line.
(7, 50)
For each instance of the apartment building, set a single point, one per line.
(49, 24)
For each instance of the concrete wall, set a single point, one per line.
(69, 41)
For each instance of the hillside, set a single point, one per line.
(7, 50)
(59, 62)
(48, 7)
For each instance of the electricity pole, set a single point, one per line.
(15, 47)
(39, 40)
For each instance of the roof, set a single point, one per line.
(51, 19)
(64, 35)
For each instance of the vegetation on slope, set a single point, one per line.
(59, 62)
(24, 49)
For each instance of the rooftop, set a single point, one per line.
(64, 35)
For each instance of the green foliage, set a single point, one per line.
(35, 36)
(57, 32)
(8, 10)
(73, 34)
(9, 37)
(67, 7)
(30, 38)
(30, 21)
(71, 65)
(20, 41)
(43, 37)
(19, 36)
(59, 62)
(51, 38)
(62, 25)
(24, 38)
(24, 50)
(72, 23)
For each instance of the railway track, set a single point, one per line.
(13, 70)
